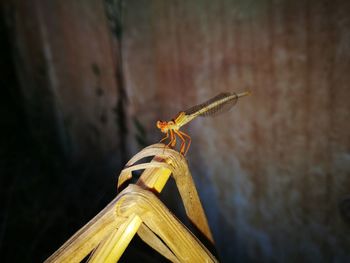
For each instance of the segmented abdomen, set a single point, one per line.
(220, 103)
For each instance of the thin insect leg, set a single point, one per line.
(189, 140)
(183, 144)
(174, 142)
(171, 138)
(166, 137)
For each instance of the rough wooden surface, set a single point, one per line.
(272, 171)
(67, 67)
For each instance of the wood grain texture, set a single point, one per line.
(65, 60)
(271, 172)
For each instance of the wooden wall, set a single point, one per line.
(67, 67)
(273, 171)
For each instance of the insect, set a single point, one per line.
(218, 104)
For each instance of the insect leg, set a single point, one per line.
(183, 144)
(171, 138)
(166, 137)
(189, 140)
(174, 141)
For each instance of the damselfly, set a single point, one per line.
(218, 104)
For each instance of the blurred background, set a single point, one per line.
(84, 82)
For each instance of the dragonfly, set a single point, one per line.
(218, 104)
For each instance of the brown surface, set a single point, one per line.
(65, 61)
(273, 170)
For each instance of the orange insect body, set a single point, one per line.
(209, 108)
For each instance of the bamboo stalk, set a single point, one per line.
(137, 209)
